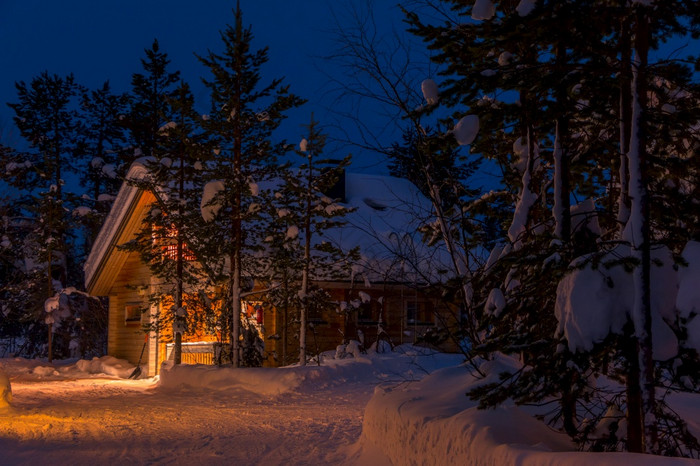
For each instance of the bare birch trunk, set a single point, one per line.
(638, 233)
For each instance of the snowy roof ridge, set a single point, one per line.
(110, 229)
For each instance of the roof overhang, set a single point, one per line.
(105, 259)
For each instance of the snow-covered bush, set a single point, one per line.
(79, 324)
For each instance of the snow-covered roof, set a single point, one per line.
(384, 225)
(109, 233)
(388, 213)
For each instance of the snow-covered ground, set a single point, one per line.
(373, 409)
(64, 414)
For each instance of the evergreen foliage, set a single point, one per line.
(299, 256)
(556, 100)
(243, 115)
(47, 117)
(149, 104)
(101, 141)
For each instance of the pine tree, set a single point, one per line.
(168, 241)
(300, 254)
(46, 117)
(102, 139)
(569, 83)
(242, 118)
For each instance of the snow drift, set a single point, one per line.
(432, 422)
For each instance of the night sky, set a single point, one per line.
(99, 41)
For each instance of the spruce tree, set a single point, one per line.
(242, 118)
(148, 106)
(302, 253)
(168, 241)
(569, 136)
(47, 118)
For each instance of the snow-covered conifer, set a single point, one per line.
(244, 113)
(307, 204)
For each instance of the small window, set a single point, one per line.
(133, 313)
(368, 313)
(419, 313)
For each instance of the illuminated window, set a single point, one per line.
(170, 252)
(168, 244)
(133, 314)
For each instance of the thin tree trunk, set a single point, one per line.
(236, 309)
(561, 209)
(639, 231)
(237, 227)
(285, 317)
(623, 204)
(179, 319)
(307, 263)
(634, 399)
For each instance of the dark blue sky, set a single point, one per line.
(99, 41)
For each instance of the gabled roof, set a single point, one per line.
(105, 260)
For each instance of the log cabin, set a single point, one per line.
(386, 297)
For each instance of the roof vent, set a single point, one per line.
(374, 204)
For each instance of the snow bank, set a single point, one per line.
(688, 300)
(406, 363)
(106, 365)
(34, 370)
(264, 381)
(5, 390)
(432, 422)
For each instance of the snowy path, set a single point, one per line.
(103, 421)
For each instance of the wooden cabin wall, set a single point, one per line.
(125, 340)
(334, 328)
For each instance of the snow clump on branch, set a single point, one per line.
(525, 7)
(466, 129)
(430, 91)
(483, 9)
(596, 301)
(208, 207)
